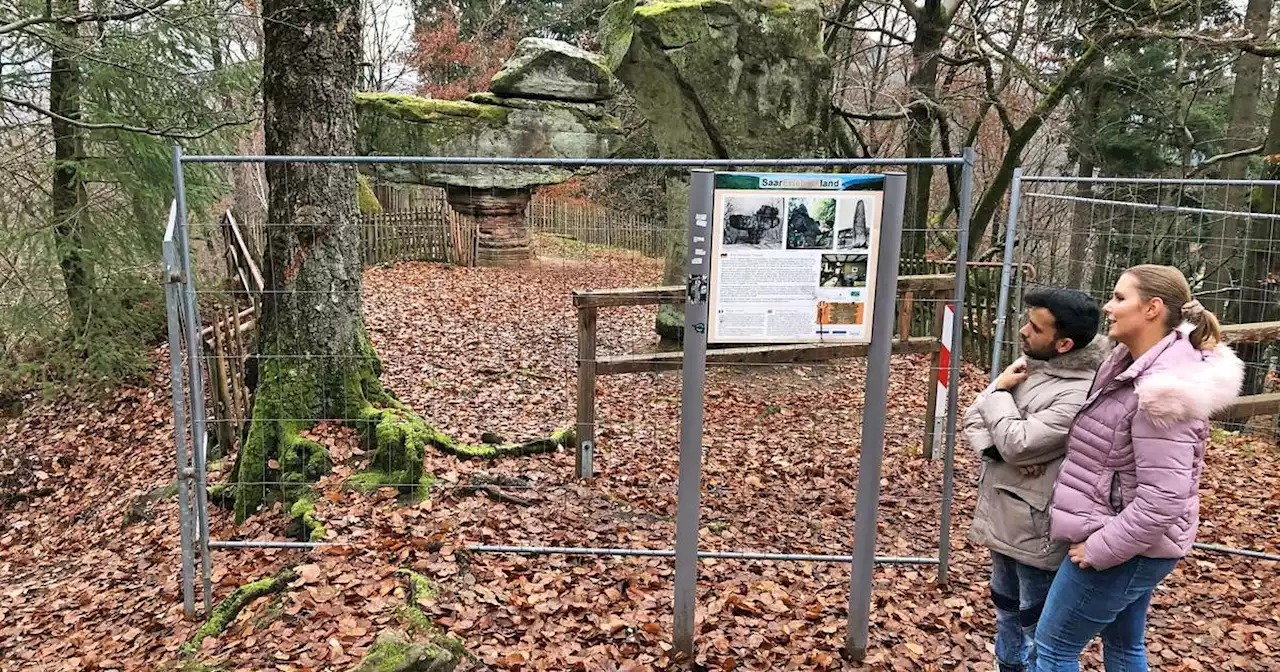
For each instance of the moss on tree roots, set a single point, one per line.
(292, 391)
(420, 646)
(224, 614)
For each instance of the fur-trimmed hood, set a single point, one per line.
(1176, 381)
(1079, 363)
(1198, 385)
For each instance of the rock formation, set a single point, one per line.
(545, 102)
(720, 79)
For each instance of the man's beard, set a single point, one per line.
(1042, 355)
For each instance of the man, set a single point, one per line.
(1019, 426)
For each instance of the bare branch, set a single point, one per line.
(159, 132)
(1246, 43)
(871, 116)
(1200, 167)
(912, 9)
(859, 29)
(83, 17)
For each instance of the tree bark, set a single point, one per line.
(932, 22)
(315, 359)
(1222, 259)
(70, 199)
(1081, 220)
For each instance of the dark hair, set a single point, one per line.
(1075, 315)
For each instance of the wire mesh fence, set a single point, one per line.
(1083, 234)
(469, 407)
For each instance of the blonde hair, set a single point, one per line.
(1170, 286)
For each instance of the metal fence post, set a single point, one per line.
(1006, 271)
(195, 377)
(689, 491)
(873, 414)
(173, 308)
(956, 364)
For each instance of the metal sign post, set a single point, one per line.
(689, 495)
(873, 413)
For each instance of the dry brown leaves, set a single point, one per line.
(480, 350)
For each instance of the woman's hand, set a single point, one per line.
(1077, 555)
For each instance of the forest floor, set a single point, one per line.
(89, 562)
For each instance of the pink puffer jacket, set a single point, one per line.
(1129, 484)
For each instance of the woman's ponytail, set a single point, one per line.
(1207, 332)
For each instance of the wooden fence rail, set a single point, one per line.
(933, 289)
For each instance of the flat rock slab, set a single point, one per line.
(554, 70)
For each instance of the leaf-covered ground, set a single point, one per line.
(89, 561)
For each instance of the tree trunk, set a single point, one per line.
(1222, 259)
(1081, 219)
(931, 29)
(1262, 259)
(70, 199)
(315, 359)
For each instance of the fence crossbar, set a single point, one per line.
(702, 555)
(1181, 209)
(1152, 180)
(572, 162)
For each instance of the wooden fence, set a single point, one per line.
(597, 225)
(981, 304)
(914, 292)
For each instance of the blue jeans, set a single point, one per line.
(1018, 591)
(1085, 602)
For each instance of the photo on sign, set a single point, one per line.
(843, 270)
(810, 222)
(852, 230)
(831, 312)
(752, 222)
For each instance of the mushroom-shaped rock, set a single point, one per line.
(485, 125)
(551, 69)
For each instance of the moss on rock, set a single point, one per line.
(366, 202)
(418, 109)
(303, 513)
(393, 651)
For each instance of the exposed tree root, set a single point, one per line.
(291, 390)
(549, 444)
(492, 486)
(224, 614)
(304, 520)
(421, 646)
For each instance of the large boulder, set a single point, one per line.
(724, 78)
(543, 68)
(719, 79)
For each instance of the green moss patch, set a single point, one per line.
(419, 109)
(226, 611)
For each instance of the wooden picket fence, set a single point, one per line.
(981, 305)
(597, 225)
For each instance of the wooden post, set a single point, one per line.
(941, 299)
(904, 315)
(222, 407)
(586, 426)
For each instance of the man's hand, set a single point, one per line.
(1032, 470)
(1014, 374)
(1077, 555)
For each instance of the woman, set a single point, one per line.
(1126, 496)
